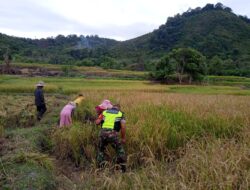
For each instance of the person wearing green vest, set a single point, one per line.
(112, 122)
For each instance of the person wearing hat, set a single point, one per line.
(112, 122)
(39, 100)
(66, 114)
(106, 104)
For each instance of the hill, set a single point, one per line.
(214, 30)
(58, 50)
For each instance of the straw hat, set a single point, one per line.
(40, 83)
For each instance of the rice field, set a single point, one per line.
(178, 137)
(67, 86)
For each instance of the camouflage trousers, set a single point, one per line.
(107, 137)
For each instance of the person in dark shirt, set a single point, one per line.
(39, 100)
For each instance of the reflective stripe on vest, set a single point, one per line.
(110, 118)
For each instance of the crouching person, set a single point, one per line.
(112, 121)
(66, 114)
(106, 104)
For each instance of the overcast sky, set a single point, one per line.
(117, 19)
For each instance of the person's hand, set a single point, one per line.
(123, 141)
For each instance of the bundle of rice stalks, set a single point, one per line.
(23, 118)
(34, 158)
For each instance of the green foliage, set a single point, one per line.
(164, 68)
(58, 50)
(75, 142)
(85, 112)
(214, 30)
(86, 62)
(174, 141)
(182, 61)
(215, 66)
(109, 63)
(27, 175)
(189, 61)
(67, 70)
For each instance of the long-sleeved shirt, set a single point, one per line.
(39, 98)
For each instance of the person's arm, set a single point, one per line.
(123, 131)
(99, 119)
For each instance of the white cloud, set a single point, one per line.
(119, 19)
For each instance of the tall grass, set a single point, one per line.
(77, 143)
(62, 85)
(208, 164)
(159, 124)
(174, 140)
(25, 163)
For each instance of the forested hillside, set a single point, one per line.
(214, 30)
(58, 50)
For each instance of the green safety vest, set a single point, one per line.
(110, 118)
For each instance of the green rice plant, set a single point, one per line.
(27, 175)
(44, 142)
(85, 112)
(174, 140)
(170, 130)
(165, 130)
(76, 142)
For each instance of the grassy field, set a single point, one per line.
(64, 85)
(178, 137)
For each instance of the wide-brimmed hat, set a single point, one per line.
(40, 83)
(106, 104)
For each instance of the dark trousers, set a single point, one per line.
(111, 137)
(40, 111)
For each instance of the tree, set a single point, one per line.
(215, 66)
(182, 62)
(108, 62)
(190, 62)
(164, 68)
(7, 61)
